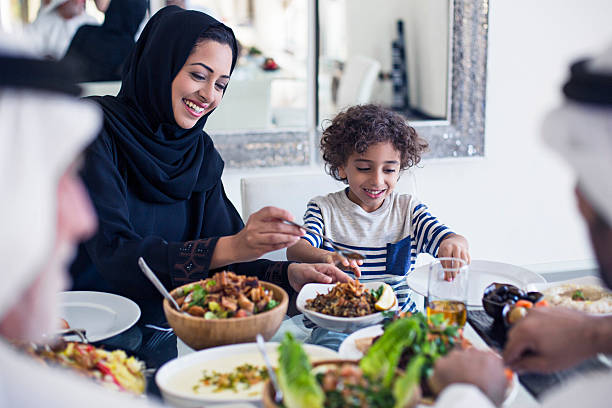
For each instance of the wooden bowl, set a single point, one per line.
(199, 333)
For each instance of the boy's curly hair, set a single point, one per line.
(361, 126)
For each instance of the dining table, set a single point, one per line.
(529, 387)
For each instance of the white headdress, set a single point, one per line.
(41, 134)
(581, 130)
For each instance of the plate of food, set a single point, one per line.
(392, 372)
(587, 294)
(482, 274)
(112, 369)
(346, 307)
(101, 314)
(222, 375)
(442, 339)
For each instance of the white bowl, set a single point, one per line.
(338, 324)
(177, 377)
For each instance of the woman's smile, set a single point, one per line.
(198, 87)
(195, 108)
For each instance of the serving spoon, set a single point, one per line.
(278, 395)
(155, 281)
(347, 253)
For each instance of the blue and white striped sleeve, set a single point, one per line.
(313, 218)
(428, 232)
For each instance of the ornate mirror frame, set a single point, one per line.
(461, 136)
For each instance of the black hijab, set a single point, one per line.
(98, 52)
(165, 163)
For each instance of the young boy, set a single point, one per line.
(367, 147)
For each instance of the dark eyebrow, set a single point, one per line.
(212, 71)
(370, 161)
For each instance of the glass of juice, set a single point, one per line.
(447, 290)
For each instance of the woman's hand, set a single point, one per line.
(302, 273)
(340, 261)
(264, 232)
(453, 246)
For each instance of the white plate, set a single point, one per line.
(482, 274)
(177, 377)
(349, 351)
(338, 324)
(101, 314)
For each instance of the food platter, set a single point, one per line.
(102, 315)
(350, 351)
(334, 323)
(176, 379)
(553, 292)
(482, 274)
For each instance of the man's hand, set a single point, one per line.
(552, 338)
(483, 369)
(453, 246)
(302, 273)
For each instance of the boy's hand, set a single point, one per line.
(343, 263)
(300, 274)
(454, 246)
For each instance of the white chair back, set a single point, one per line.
(357, 82)
(292, 193)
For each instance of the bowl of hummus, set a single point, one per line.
(586, 295)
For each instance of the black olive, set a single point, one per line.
(502, 289)
(497, 298)
(534, 297)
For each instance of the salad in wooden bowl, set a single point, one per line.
(226, 309)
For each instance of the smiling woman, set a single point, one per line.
(198, 87)
(154, 175)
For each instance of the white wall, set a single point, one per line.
(516, 204)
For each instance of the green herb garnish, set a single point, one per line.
(578, 295)
(377, 293)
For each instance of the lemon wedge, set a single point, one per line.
(387, 298)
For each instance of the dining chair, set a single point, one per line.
(293, 191)
(357, 82)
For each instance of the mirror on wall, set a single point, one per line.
(269, 85)
(303, 60)
(391, 52)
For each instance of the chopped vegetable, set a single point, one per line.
(377, 292)
(224, 295)
(382, 358)
(524, 303)
(406, 388)
(296, 380)
(578, 295)
(246, 374)
(542, 303)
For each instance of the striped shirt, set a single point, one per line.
(384, 236)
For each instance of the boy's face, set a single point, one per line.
(372, 175)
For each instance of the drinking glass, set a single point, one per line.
(447, 290)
